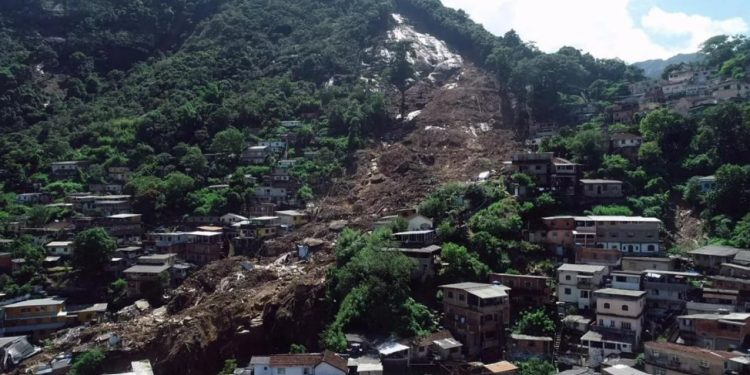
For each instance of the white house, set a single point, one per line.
(576, 282)
(327, 363)
(60, 248)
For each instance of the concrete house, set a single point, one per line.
(35, 317)
(66, 169)
(706, 183)
(719, 331)
(670, 358)
(524, 347)
(477, 315)
(425, 260)
(667, 291)
(618, 326)
(203, 247)
(230, 219)
(634, 235)
(292, 218)
(598, 256)
(577, 282)
(711, 257)
(731, 89)
(626, 280)
(256, 154)
(327, 363)
(526, 291)
(60, 248)
(601, 189)
(141, 276)
(640, 264)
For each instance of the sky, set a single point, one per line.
(632, 30)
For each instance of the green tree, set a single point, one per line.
(536, 367)
(501, 219)
(194, 162)
(612, 210)
(461, 265)
(535, 323)
(88, 363)
(297, 349)
(92, 250)
(741, 233)
(229, 366)
(228, 141)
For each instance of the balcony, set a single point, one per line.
(615, 334)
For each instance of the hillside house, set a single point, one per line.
(256, 154)
(627, 280)
(525, 347)
(526, 291)
(125, 227)
(477, 316)
(327, 363)
(619, 323)
(670, 358)
(417, 238)
(625, 144)
(577, 282)
(60, 248)
(440, 346)
(35, 317)
(66, 169)
(497, 368)
(425, 260)
(230, 219)
(640, 264)
(557, 234)
(668, 291)
(706, 183)
(711, 257)
(33, 198)
(633, 235)
(203, 247)
(292, 218)
(115, 189)
(119, 174)
(718, 331)
(730, 89)
(601, 190)
(276, 146)
(143, 276)
(598, 256)
(414, 221)
(168, 242)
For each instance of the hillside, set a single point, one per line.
(654, 68)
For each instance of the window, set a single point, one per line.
(612, 324)
(626, 325)
(305, 371)
(450, 295)
(281, 371)
(584, 294)
(606, 305)
(567, 277)
(568, 291)
(609, 345)
(532, 344)
(625, 307)
(461, 297)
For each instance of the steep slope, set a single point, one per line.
(454, 131)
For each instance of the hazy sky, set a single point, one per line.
(633, 30)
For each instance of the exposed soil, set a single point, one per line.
(225, 311)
